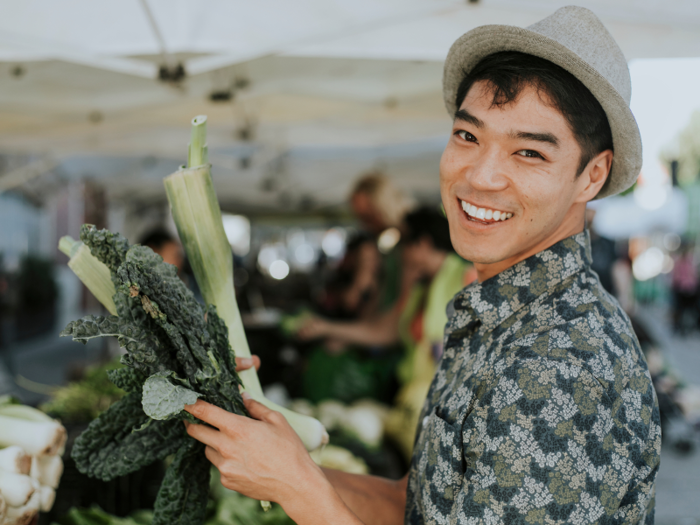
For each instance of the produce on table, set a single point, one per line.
(30, 463)
(177, 349)
(96, 516)
(84, 400)
(15, 459)
(339, 458)
(363, 420)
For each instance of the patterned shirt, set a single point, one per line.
(542, 409)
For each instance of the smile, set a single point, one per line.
(484, 215)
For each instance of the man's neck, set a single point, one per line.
(572, 224)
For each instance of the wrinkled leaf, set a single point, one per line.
(182, 499)
(162, 399)
(110, 448)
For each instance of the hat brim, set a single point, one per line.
(478, 43)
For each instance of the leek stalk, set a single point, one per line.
(91, 272)
(197, 216)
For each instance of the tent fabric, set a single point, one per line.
(301, 96)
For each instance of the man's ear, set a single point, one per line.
(594, 176)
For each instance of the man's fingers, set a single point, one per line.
(213, 456)
(204, 434)
(257, 410)
(215, 416)
(244, 363)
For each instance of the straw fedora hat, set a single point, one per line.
(576, 40)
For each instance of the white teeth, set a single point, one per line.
(485, 213)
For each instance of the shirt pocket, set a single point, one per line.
(442, 465)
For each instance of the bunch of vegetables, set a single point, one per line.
(364, 420)
(178, 350)
(31, 444)
(84, 400)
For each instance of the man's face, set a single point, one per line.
(517, 161)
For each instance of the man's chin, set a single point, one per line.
(481, 256)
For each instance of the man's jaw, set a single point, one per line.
(483, 215)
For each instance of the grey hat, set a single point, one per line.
(576, 40)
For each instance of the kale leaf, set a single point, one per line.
(184, 488)
(114, 446)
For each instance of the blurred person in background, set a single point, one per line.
(354, 283)
(684, 285)
(166, 245)
(432, 274)
(378, 206)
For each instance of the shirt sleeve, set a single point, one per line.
(545, 443)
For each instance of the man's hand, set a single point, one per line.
(260, 457)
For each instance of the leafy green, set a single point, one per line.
(128, 379)
(177, 350)
(162, 399)
(182, 498)
(124, 439)
(84, 400)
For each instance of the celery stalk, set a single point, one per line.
(93, 274)
(197, 216)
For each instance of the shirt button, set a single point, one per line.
(425, 420)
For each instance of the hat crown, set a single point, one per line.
(582, 32)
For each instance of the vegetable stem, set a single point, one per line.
(197, 155)
(91, 272)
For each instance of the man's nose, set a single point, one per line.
(487, 173)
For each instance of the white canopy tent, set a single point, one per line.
(301, 96)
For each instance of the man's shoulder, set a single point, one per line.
(580, 328)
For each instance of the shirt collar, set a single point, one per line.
(495, 300)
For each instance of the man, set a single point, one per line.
(542, 408)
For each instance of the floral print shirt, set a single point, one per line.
(542, 409)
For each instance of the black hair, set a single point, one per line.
(508, 72)
(156, 238)
(431, 223)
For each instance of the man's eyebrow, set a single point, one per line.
(465, 116)
(539, 137)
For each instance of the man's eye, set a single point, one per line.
(529, 153)
(465, 135)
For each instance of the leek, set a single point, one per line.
(197, 216)
(14, 459)
(17, 489)
(35, 437)
(91, 272)
(25, 514)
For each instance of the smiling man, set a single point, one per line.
(542, 409)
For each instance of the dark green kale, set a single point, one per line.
(177, 350)
(184, 488)
(108, 247)
(124, 439)
(128, 379)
